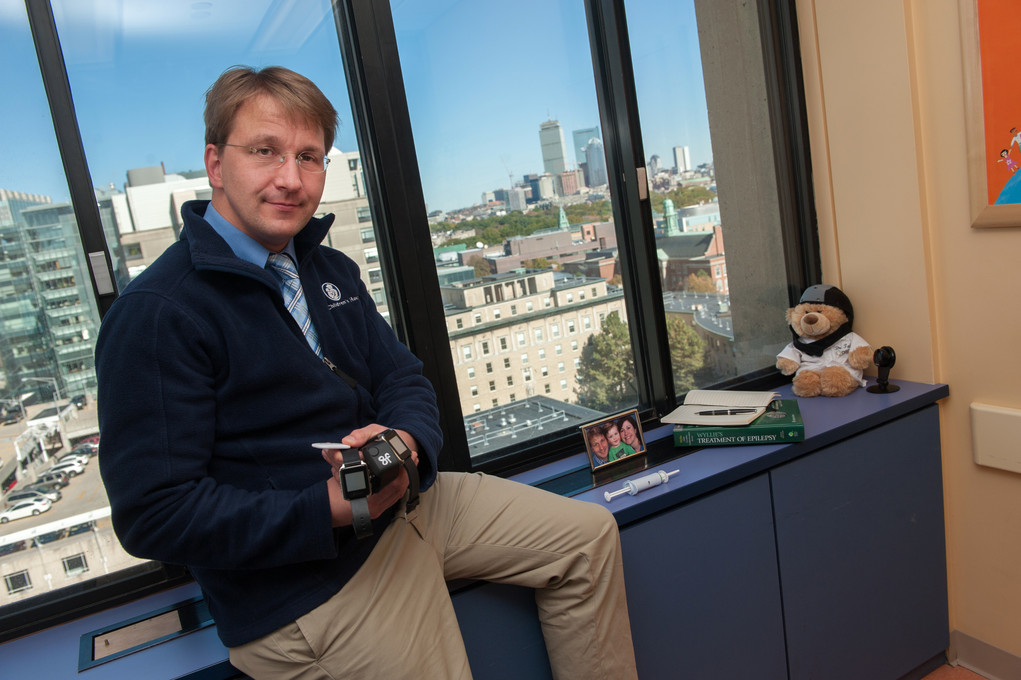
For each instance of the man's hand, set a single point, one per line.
(340, 508)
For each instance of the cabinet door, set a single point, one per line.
(703, 591)
(862, 559)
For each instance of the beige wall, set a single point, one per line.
(885, 98)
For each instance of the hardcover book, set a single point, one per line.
(781, 423)
(720, 407)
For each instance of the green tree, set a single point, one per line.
(606, 374)
(699, 282)
(687, 353)
(538, 263)
(482, 268)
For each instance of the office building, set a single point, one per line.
(554, 152)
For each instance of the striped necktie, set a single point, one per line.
(281, 265)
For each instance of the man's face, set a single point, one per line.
(600, 449)
(270, 203)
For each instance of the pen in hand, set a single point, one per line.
(725, 412)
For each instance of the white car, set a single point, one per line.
(73, 458)
(70, 468)
(26, 508)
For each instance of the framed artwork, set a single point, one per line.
(614, 438)
(992, 83)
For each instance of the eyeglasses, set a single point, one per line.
(269, 157)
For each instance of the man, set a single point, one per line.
(598, 445)
(216, 376)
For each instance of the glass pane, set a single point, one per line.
(138, 71)
(716, 216)
(506, 124)
(48, 324)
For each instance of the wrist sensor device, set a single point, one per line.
(384, 456)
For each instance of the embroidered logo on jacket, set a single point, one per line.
(332, 292)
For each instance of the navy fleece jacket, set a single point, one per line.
(209, 401)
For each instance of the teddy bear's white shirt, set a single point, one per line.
(834, 355)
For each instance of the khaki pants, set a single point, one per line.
(395, 620)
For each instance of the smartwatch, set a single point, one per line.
(356, 486)
(404, 454)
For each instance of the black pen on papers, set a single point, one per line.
(725, 412)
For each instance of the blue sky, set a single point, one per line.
(480, 76)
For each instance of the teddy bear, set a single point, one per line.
(825, 357)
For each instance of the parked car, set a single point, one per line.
(45, 487)
(25, 509)
(79, 400)
(84, 450)
(22, 494)
(59, 479)
(71, 468)
(91, 439)
(49, 538)
(81, 528)
(11, 418)
(9, 548)
(80, 458)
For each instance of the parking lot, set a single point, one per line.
(83, 493)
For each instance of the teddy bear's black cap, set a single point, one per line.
(824, 294)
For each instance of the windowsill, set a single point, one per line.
(702, 471)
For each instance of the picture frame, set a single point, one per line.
(625, 428)
(992, 111)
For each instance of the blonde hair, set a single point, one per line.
(297, 94)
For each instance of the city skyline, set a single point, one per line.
(139, 98)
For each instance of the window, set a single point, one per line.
(471, 372)
(364, 215)
(682, 221)
(75, 564)
(17, 582)
(485, 348)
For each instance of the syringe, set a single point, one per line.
(632, 487)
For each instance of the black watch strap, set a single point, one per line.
(409, 465)
(404, 453)
(361, 521)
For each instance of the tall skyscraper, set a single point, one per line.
(682, 158)
(554, 151)
(581, 140)
(596, 166)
